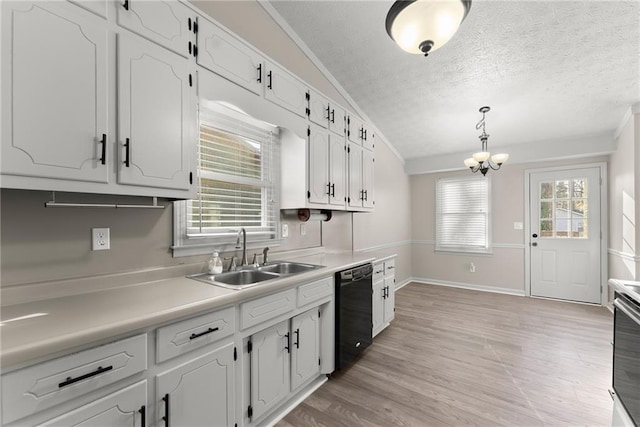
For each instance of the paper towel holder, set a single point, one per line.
(304, 215)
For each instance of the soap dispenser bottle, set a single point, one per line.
(215, 264)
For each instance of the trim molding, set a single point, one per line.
(320, 66)
(624, 255)
(471, 286)
(493, 245)
(403, 283)
(385, 246)
(623, 122)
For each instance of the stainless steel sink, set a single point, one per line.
(286, 268)
(252, 276)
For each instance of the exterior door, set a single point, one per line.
(565, 234)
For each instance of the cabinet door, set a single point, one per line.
(154, 116)
(270, 368)
(284, 89)
(355, 128)
(200, 392)
(305, 347)
(337, 170)
(318, 165)
(367, 178)
(223, 54)
(378, 306)
(389, 302)
(368, 138)
(337, 119)
(54, 92)
(127, 407)
(165, 22)
(356, 194)
(319, 112)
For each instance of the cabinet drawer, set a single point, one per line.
(47, 384)
(182, 337)
(314, 291)
(378, 271)
(265, 308)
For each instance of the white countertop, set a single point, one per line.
(620, 286)
(35, 331)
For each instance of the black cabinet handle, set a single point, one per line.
(333, 190)
(103, 159)
(328, 113)
(365, 134)
(259, 73)
(143, 415)
(333, 116)
(328, 189)
(71, 380)
(166, 410)
(127, 155)
(287, 346)
(361, 194)
(297, 343)
(270, 86)
(384, 293)
(189, 24)
(208, 331)
(366, 194)
(125, 4)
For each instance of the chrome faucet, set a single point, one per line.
(242, 232)
(264, 255)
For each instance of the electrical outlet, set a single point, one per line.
(285, 230)
(472, 268)
(517, 226)
(100, 239)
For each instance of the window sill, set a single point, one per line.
(452, 251)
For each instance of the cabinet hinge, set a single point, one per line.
(195, 26)
(190, 80)
(319, 313)
(249, 346)
(191, 178)
(349, 199)
(250, 411)
(195, 50)
(235, 353)
(309, 131)
(308, 111)
(308, 194)
(307, 96)
(348, 149)
(319, 362)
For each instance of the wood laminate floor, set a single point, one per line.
(460, 357)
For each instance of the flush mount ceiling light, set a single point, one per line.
(483, 160)
(422, 26)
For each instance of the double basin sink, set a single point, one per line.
(248, 276)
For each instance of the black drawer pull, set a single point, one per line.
(103, 159)
(208, 331)
(166, 410)
(270, 86)
(286, 347)
(259, 73)
(297, 343)
(98, 371)
(127, 156)
(333, 116)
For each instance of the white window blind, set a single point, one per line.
(238, 173)
(463, 214)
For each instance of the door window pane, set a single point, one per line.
(563, 209)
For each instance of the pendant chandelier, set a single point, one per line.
(422, 26)
(483, 160)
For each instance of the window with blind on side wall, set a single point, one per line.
(463, 215)
(238, 183)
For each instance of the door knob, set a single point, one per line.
(534, 244)
(534, 235)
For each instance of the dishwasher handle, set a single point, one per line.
(356, 274)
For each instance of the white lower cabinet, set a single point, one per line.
(199, 392)
(270, 368)
(126, 407)
(383, 294)
(305, 348)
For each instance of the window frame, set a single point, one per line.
(460, 249)
(188, 243)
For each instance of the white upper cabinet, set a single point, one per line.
(354, 129)
(319, 110)
(367, 178)
(361, 170)
(337, 170)
(319, 186)
(368, 137)
(337, 117)
(227, 56)
(285, 89)
(54, 92)
(156, 117)
(166, 22)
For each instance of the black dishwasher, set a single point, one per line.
(353, 313)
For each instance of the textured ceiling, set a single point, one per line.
(549, 70)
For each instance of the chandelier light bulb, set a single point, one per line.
(470, 162)
(481, 156)
(499, 158)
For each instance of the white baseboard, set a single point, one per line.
(470, 286)
(403, 283)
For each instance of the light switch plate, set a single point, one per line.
(517, 226)
(285, 230)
